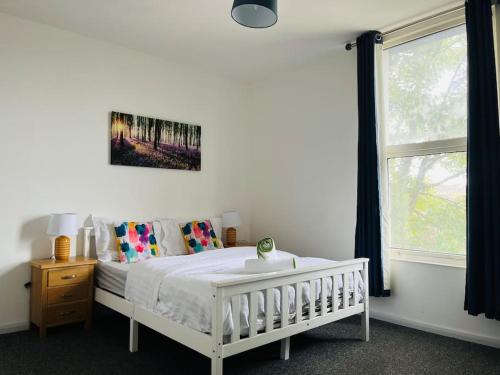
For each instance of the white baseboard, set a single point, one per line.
(14, 327)
(439, 330)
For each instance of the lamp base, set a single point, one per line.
(231, 237)
(62, 248)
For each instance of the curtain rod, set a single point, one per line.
(349, 46)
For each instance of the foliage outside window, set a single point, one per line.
(425, 127)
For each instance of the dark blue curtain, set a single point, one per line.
(368, 235)
(482, 293)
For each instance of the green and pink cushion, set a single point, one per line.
(199, 236)
(135, 241)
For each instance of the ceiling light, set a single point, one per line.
(257, 14)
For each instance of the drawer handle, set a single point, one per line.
(69, 277)
(66, 313)
(67, 295)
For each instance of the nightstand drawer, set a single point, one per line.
(72, 275)
(66, 313)
(68, 293)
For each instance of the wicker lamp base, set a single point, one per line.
(62, 248)
(231, 237)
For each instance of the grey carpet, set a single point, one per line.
(332, 349)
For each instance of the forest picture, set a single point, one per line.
(148, 142)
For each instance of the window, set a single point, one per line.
(423, 134)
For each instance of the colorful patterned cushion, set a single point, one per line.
(199, 236)
(136, 241)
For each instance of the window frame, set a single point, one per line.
(426, 27)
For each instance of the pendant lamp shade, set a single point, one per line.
(256, 14)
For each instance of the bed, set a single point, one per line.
(206, 301)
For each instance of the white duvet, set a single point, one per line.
(180, 287)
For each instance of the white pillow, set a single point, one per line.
(169, 237)
(105, 239)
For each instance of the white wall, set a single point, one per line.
(56, 92)
(305, 129)
(431, 297)
(304, 124)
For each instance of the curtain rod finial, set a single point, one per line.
(348, 46)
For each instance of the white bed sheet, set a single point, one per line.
(112, 276)
(180, 287)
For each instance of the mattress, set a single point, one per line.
(112, 276)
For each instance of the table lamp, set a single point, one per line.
(231, 220)
(62, 226)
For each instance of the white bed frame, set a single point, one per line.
(216, 348)
(213, 346)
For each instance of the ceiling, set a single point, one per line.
(201, 33)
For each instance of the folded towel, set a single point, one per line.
(266, 249)
(270, 265)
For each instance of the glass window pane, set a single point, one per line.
(427, 198)
(426, 83)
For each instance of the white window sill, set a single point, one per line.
(446, 260)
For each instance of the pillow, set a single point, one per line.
(170, 238)
(105, 239)
(137, 241)
(199, 236)
(167, 234)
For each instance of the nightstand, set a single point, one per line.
(61, 292)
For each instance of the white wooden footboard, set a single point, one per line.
(307, 316)
(317, 313)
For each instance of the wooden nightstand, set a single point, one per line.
(61, 292)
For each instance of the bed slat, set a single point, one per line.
(324, 301)
(345, 297)
(312, 299)
(355, 292)
(298, 302)
(365, 316)
(335, 292)
(284, 306)
(269, 309)
(253, 314)
(235, 306)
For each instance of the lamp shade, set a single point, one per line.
(231, 219)
(62, 225)
(257, 14)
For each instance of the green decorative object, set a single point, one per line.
(264, 247)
